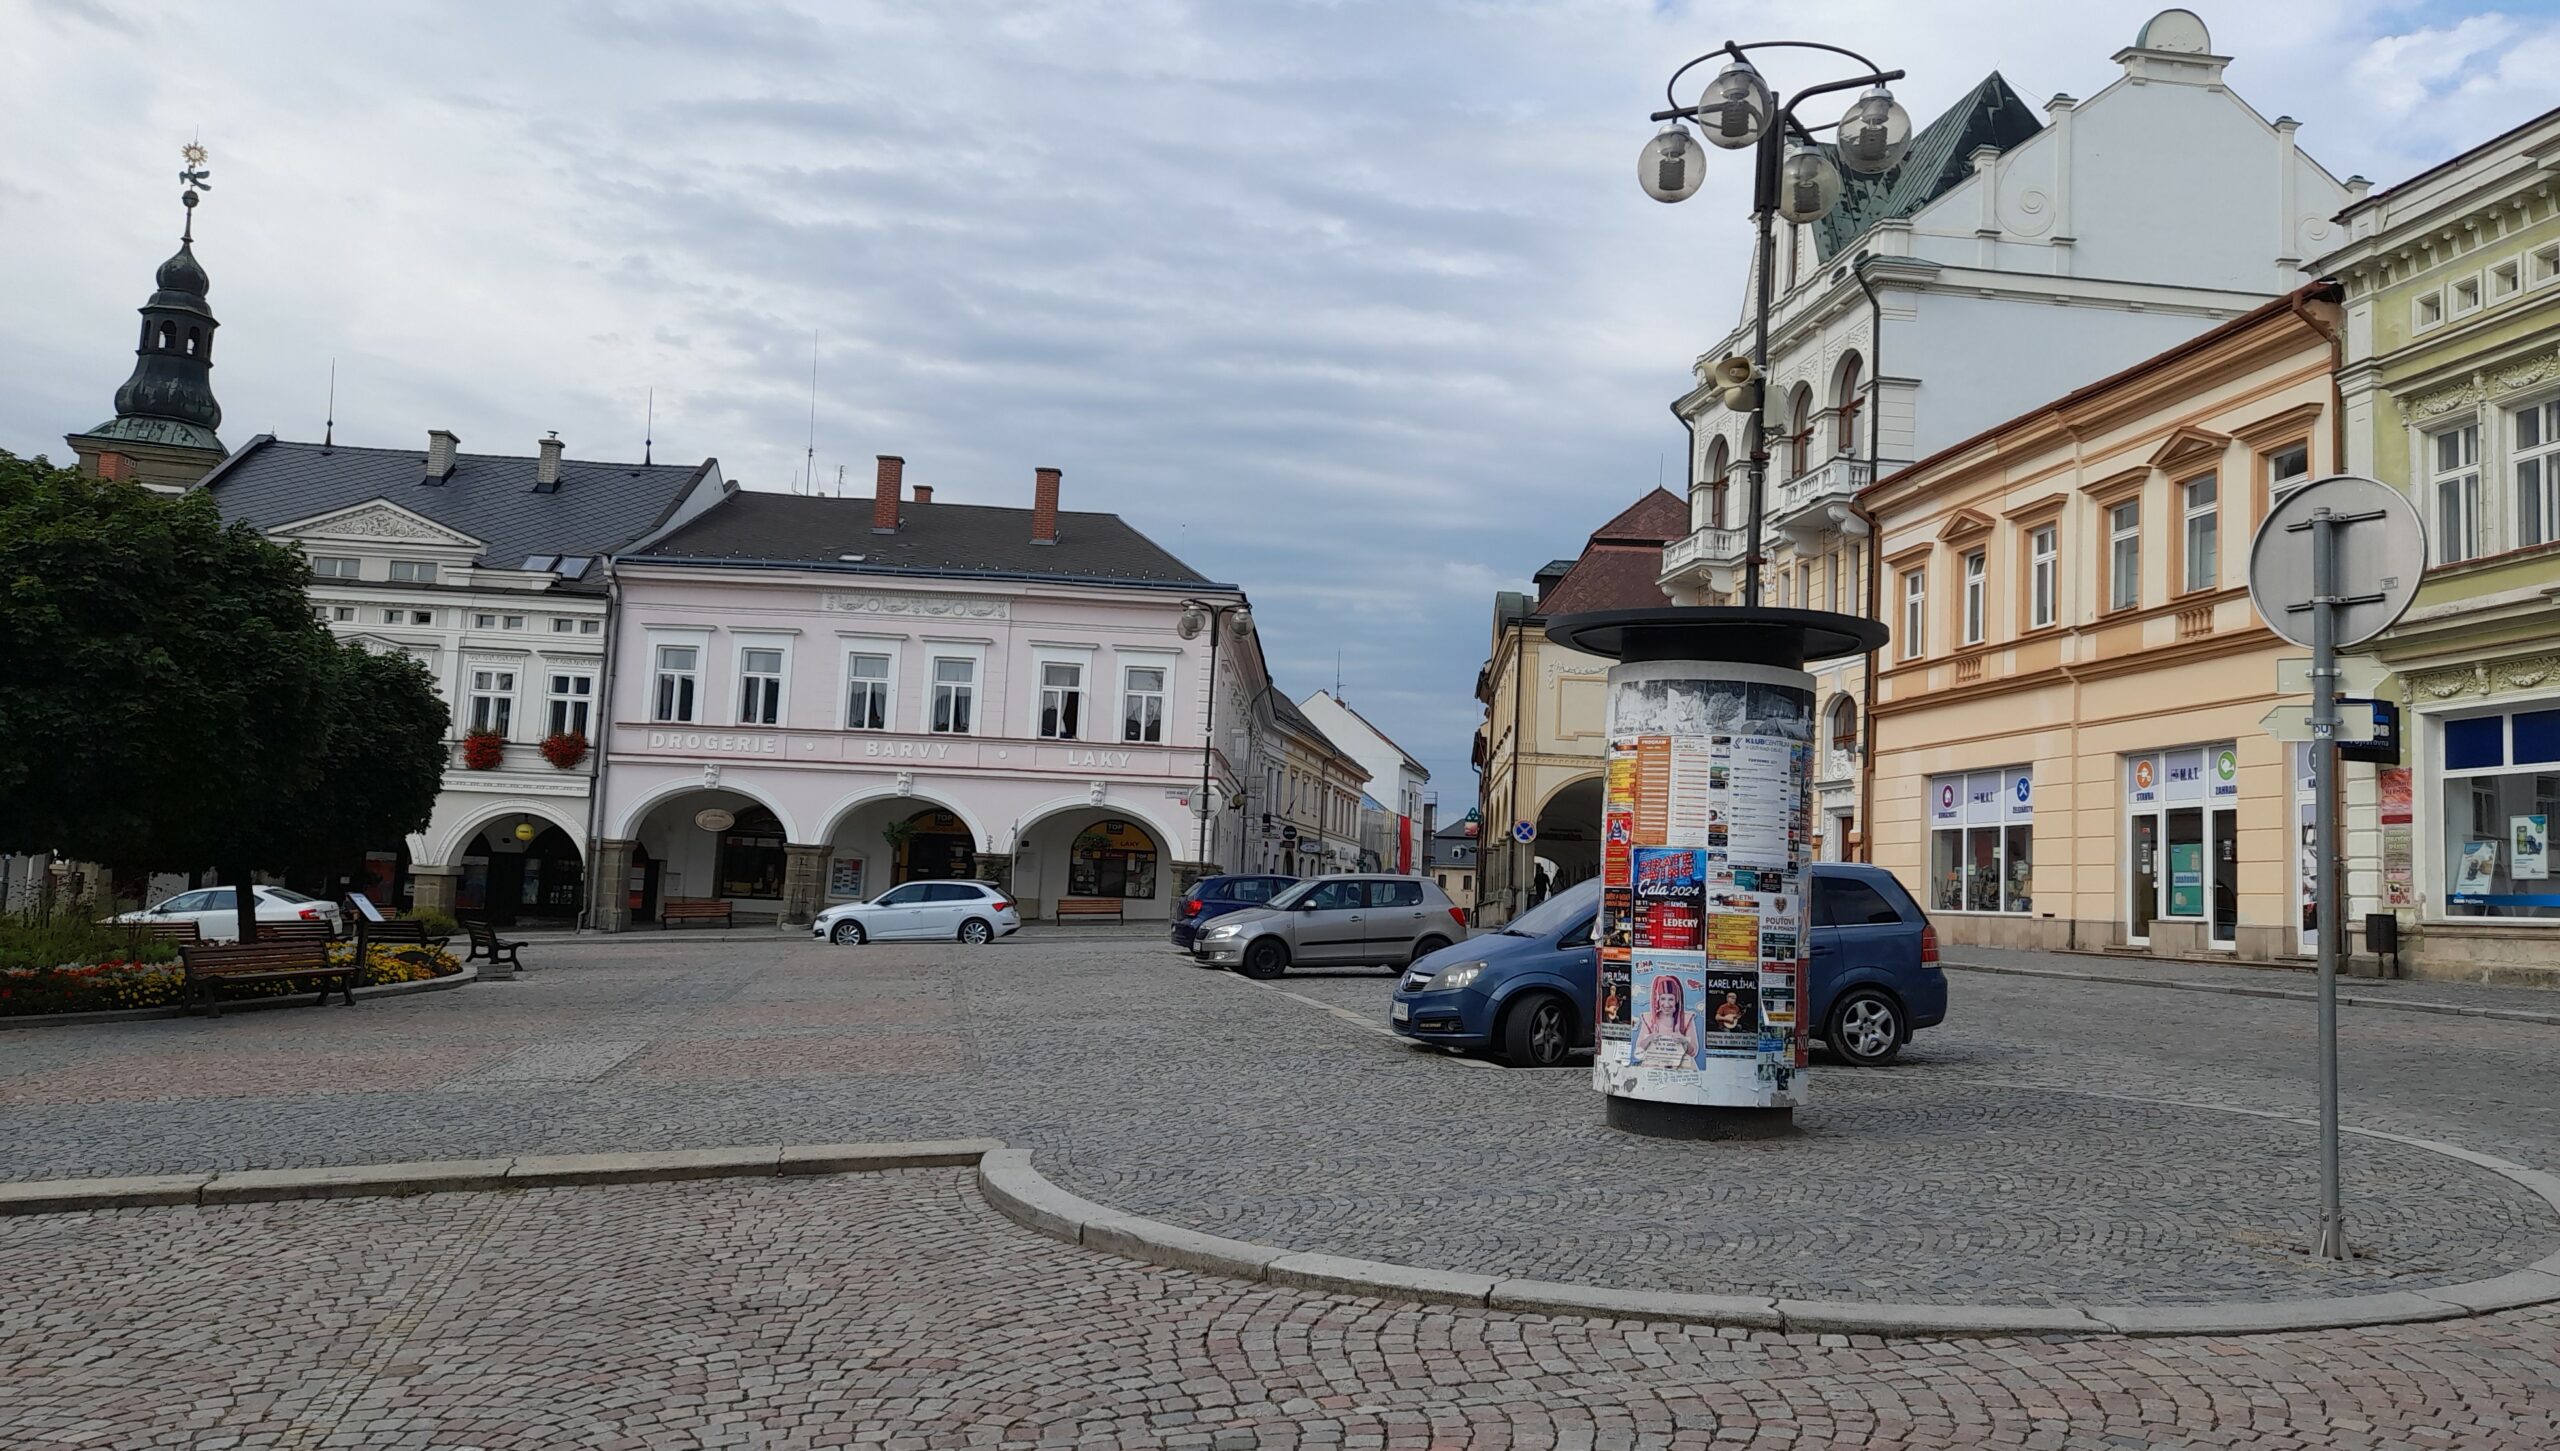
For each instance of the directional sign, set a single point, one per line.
(1524, 832)
(2357, 675)
(2293, 722)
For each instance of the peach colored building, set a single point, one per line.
(2067, 742)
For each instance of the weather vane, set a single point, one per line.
(196, 178)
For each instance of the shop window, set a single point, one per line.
(2501, 792)
(751, 858)
(1113, 859)
(1982, 841)
(2474, 744)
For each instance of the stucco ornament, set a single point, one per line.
(710, 774)
(1093, 792)
(906, 783)
(963, 607)
(2479, 387)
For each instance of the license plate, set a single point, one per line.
(1400, 1012)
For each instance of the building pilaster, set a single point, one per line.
(431, 889)
(609, 887)
(804, 880)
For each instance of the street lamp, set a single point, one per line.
(1790, 179)
(1209, 615)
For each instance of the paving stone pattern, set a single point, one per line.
(897, 1310)
(1215, 1103)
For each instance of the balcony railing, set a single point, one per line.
(1830, 482)
(1705, 546)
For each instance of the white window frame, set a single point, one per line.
(570, 710)
(2279, 489)
(864, 646)
(1080, 659)
(778, 641)
(2194, 518)
(510, 622)
(490, 703)
(484, 620)
(413, 571)
(2124, 556)
(663, 702)
(2542, 265)
(975, 657)
(339, 566)
(344, 613)
(1977, 595)
(395, 617)
(2475, 287)
(562, 624)
(2463, 482)
(1915, 611)
(590, 626)
(759, 698)
(2044, 575)
(2506, 279)
(2544, 456)
(1127, 660)
(2426, 312)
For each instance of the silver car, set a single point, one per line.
(1346, 921)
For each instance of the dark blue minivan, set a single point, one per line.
(1217, 896)
(1526, 990)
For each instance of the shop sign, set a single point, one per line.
(2144, 774)
(1982, 796)
(712, 818)
(1943, 807)
(2022, 796)
(736, 745)
(2184, 771)
(2226, 772)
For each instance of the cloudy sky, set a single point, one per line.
(1356, 305)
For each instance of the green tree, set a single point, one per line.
(167, 700)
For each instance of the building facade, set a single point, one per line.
(489, 569)
(1396, 781)
(2068, 750)
(1451, 861)
(2005, 259)
(1309, 822)
(812, 700)
(2451, 391)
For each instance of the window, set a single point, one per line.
(412, 571)
(422, 617)
(1061, 700)
(751, 856)
(2454, 456)
(2428, 311)
(1981, 841)
(331, 566)
(1848, 902)
(561, 624)
(2124, 555)
(493, 700)
(591, 627)
(571, 695)
(1976, 587)
(2537, 468)
(343, 612)
(679, 669)
(392, 617)
(1142, 704)
(511, 622)
(1846, 405)
(2465, 296)
(955, 688)
(1800, 431)
(2287, 470)
(760, 686)
(1915, 612)
(1844, 724)
(2041, 582)
(2200, 503)
(2506, 280)
(2544, 265)
(484, 622)
(866, 692)
(2501, 793)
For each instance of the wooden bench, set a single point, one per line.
(305, 959)
(319, 931)
(174, 931)
(694, 909)
(1073, 909)
(398, 932)
(485, 942)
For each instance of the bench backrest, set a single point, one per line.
(400, 929)
(480, 931)
(694, 907)
(174, 931)
(294, 931)
(1088, 906)
(217, 959)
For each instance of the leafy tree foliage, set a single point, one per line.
(167, 700)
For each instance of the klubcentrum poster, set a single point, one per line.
(1702, 929)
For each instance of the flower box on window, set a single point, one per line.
(483, 750)
(564, 749)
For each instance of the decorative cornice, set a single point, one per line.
(2452, 682)
(2480, 387)
(960, 607)
(374, 519)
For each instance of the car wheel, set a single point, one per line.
(847, 933)
(1866, 1028)
(977, 930)
(1538, 1031)
(1425, 948)
(1265, 959)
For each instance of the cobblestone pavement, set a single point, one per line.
(2542, 1001)
(1209, 1101)
(897, 1310)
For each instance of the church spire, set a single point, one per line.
(163, 433)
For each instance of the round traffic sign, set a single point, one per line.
(1524, 832)
(2382, 553)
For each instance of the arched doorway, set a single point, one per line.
(714, 844)
(1092, 852)
(933, 846)
(1568, 847)
(530, 871)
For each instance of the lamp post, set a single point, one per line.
(1790, 179)
(1210, 615)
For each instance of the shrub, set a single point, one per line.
(99, 986)
(72, 935)
(439, 924)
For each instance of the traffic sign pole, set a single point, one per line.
(2325, 525)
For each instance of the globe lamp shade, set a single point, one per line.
(1672, 165)
(1735, 109)
(1808, 186)
(1875, 134)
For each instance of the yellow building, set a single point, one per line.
(2067, 748)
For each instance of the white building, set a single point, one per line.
(2006, 261)
(1396, 779)
(488, 568)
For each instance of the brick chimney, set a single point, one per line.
(442, 445)
(546, 468)
(924, 493)
(885, 494)
(1044, 506)
(114, 466)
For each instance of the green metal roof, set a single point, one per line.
(141, 428)
(1941, 156)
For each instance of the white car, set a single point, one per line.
(215, 911)
(923, 911)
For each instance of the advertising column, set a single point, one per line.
(1706, 839)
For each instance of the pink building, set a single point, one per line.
(811, 700)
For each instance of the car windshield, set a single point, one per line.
(1292, 895)
(1557, 912)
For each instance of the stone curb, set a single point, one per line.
(470, 973)
(2239, 990)
(1028, 1198)
(444, 1176)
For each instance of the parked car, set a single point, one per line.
(923, 911)
(1212, 897)
(216, 911)
(1338, 921)
(1526, 991)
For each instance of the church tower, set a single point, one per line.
(163, 435)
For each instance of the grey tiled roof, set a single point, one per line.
(1941, 155)
(751, 527)
(599, 507)
(1286, 712)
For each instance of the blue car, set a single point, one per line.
(1526, 991)
(1216, 897)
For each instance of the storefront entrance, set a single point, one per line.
(539, 880)
(937, 847)
(2183, 843)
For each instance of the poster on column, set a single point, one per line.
(1704, 833)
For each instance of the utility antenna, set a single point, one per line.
(329, 429)
(649, 429)
(809, 469)
(839, 481)
(1337, 677)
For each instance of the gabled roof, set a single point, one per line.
(1621, 568)
(1286, 712)
(1941, 156)
(598, 508)
(755, 528)
(1345, 707)
(1657, 518)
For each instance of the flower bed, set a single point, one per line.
(106, 986)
